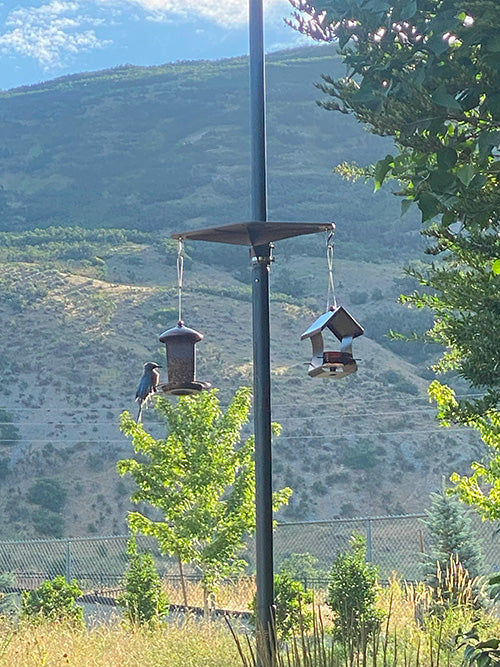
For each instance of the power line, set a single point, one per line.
(277, 439)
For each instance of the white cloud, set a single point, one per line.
(49, 32)
(225, 13)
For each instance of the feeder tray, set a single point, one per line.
(333, 364)
(181, 361)
(183, 389)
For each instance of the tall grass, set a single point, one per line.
(418, 630)
(183, 644)
(233, 595)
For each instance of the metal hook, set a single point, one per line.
(331, 301)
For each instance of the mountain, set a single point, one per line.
(96, 171)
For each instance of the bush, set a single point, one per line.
(8, 600)
(48, 493)
(143, 599)
(352, 595)
(47, 523)
(55, 600)
(359, 455)
(291, 601)
(302, 567)
(358, 298)
(399, 382)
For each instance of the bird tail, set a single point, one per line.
(139, 414)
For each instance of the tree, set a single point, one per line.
(426, 73)
(143, 598)
(455, 554)
(452, 534)
(352, 595)
(54, 599)
(480, 489)
(201, 479)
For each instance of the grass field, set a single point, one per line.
(408, 637)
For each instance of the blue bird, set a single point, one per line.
(147, 385)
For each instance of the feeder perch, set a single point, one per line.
(181, 361)
(333, 364)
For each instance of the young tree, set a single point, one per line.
(452, 542)
(54, 599)
(352, 596)
(201, 479)
(143, 599)
(426, 73)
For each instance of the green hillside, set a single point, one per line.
(155, 148)
(97, 171)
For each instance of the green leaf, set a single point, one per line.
(429, 206)
(466, 173)
(443, 98)
(381, 169)
(405, 205)
(478, 181)
(496, 270)
(493, 104)
(486, 142)
(440, 180)
(446, 158)
(408, 10)
(489, 643)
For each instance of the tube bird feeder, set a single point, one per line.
(180, 344)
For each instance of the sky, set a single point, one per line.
(44, 39)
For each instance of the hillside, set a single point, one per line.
(104, 167)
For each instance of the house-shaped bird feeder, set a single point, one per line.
(181, 361)
(328, 363)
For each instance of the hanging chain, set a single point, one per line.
(180, 267)
(331, 301)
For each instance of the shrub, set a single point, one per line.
(358, 298)
(359, 455)
(143, 599)
(8, 600)
(291, 601)
(48, 523)
(302, 567)
(352, 595)
(55, 600)
(47, 493)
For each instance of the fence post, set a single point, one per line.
(68, 562)
(369, 554)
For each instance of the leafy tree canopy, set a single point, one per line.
(427, 72)
(200, 478)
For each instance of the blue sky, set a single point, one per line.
(43, 39)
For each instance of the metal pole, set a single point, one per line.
(258, 113)
(67, 568)
(261, 344)
(369, 553)
(263, 463)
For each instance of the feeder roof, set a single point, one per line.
(254, 233)
(181, 332)
(340, 323)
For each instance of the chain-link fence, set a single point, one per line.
(394, 543)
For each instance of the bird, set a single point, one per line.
(147, 385)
